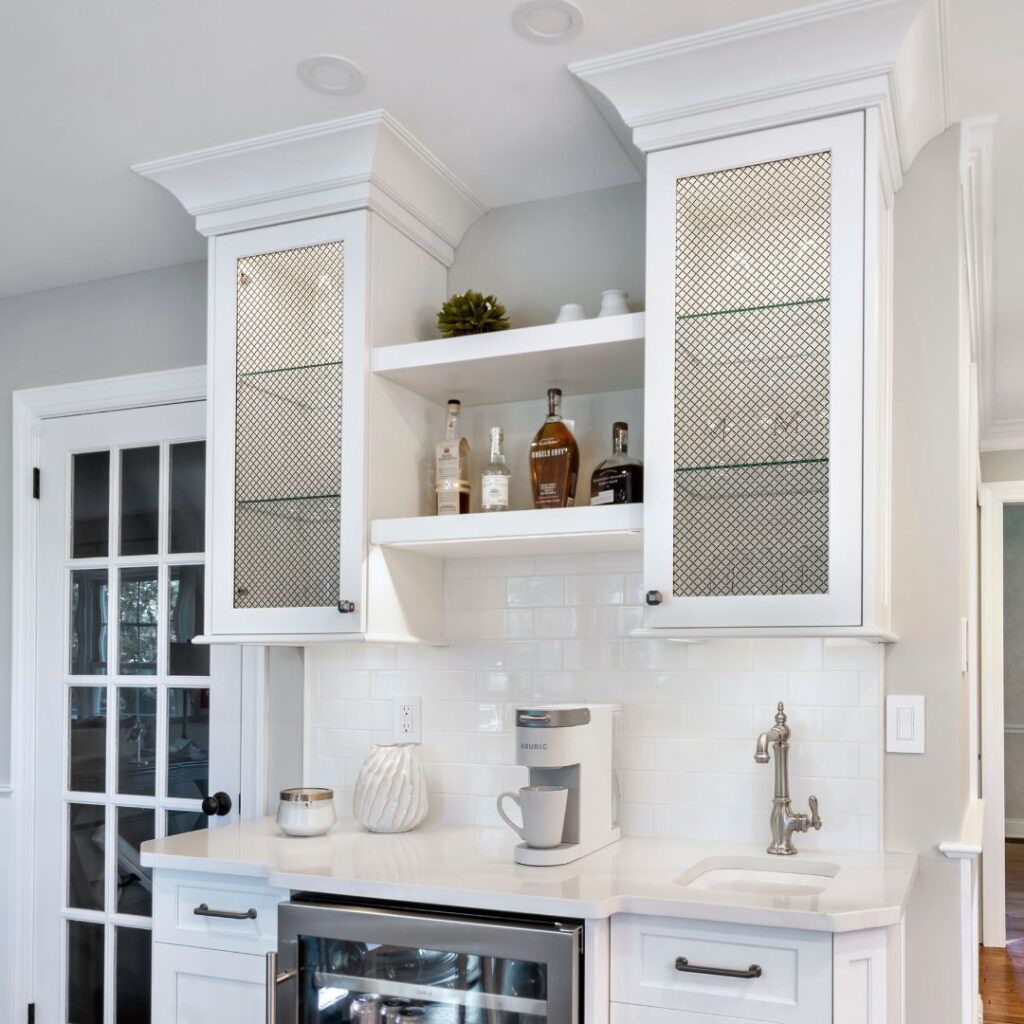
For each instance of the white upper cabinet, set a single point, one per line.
(288, 410)
(773, 152)
(754, 377)
(324, 242)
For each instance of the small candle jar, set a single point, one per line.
(306, 811)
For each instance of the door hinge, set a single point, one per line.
(35, 481)
(31, 1013)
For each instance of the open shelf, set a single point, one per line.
(588, 529)
(581, 357)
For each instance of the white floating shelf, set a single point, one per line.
(581, 357)
(589, 529)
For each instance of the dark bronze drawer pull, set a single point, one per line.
(684, 965)
(229, 915)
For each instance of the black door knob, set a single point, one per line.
(219, 804)
(653, 597)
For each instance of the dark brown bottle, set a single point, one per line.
(619, 480)
(554, 459)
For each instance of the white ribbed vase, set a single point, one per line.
(391, 792)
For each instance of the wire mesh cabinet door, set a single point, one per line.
(755, 276)
(287, 369)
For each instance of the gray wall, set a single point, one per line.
(132, 324)
(1008, 465)
(925, 793)
(537, 256)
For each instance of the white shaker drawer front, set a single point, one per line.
(203, 986)
(215, 912)
(748, 973)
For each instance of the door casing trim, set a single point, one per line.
(30, 408)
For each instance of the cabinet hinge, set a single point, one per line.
(32, 1010)
(35, 481)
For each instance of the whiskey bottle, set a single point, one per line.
(495, 479)
(619, 480)
(554, 459)
(451, 467)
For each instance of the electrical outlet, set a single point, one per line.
(407, 720)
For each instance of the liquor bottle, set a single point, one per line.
(495, 479)
(451, 467)
(554, 459)
(619, 480)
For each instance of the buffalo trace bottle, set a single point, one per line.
(619, 480)
(554, 459)
(495, 478)
(451, 467)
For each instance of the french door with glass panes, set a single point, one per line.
(134, 723)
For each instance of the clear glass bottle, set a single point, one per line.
(496, 477)
(619, 479)
(451, 467)
(554, 459)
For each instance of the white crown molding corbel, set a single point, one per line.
(368, 161)
(826, 59)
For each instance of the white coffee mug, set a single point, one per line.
(543, 811)
(570, 311)
(613, 302)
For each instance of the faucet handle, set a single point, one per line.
(815, 817)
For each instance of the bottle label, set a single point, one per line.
(603, 498)
(447, 463)
(494, 490)
(448, 502)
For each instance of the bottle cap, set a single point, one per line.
(454, 401)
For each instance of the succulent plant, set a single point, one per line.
(471, 313)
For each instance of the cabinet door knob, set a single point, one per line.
(219, 804)
(346, 607)
(653, 597)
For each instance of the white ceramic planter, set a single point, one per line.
(391, 792)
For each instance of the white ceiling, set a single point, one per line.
(91, 88)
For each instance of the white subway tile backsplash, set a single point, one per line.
(556, 629)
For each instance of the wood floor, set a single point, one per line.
(1002, 970)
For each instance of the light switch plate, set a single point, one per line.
(904, 724)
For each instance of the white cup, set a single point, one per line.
(543, 811)
(613, 302)
(570, 311)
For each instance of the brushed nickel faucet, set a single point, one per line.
(784, 820)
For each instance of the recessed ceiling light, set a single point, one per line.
(547, 21)
(333, 75)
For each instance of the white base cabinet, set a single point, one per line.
(192, 985)
(211, 936)
(776, 975)
(212, 970)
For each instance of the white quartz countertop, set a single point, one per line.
(473, 867)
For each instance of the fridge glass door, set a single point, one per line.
(353, 981)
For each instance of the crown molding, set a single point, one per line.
(827, 59)
(1003, 436)
(368, 161)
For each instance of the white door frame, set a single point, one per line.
(993, 498)
(30, 408)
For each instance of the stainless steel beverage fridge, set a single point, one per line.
(358, 961)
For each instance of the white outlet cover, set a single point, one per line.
(410, 731)
(904, 724)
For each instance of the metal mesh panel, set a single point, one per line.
(289, 331)
(751, 443)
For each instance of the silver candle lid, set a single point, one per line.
(306, 795)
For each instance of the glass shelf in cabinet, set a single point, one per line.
(753, 309)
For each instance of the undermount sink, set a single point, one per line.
(757, 876)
